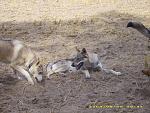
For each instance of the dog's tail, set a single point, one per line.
(140, 27)
(109, 70)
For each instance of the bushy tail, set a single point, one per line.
(108, 70)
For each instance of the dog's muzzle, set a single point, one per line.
(39, 78)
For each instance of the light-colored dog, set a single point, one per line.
(21, 58)
(86, 61)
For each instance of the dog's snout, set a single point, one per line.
(38, 78)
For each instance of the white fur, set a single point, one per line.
(87, 74)
(93, 58)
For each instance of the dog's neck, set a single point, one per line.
(92, 57)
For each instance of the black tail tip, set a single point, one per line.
(130, 24)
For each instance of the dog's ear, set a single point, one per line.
(77, 49)
(84, 51)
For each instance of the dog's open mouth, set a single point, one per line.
(78, 66)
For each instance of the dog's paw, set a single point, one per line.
(118, 73)
(87, 77)
(20, 78)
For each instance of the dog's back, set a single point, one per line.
(6, 51)
(14, 51)
(58, 66)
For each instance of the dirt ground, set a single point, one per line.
(53, 29)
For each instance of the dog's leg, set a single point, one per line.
(15, 73)
(108, 70)
(87, 74)
(25, 73)
(100, 65)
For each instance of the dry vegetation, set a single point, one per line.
(53, 29)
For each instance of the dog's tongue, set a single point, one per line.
(79, 65)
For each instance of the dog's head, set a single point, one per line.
(36, 69)
(80, 58)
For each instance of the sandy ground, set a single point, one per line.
(53, 29)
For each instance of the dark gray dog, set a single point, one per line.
(86, 61)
